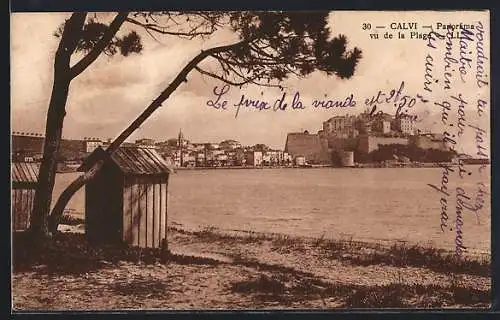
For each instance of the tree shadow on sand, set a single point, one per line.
(403, 255)
(71, 254)
(275, 283)
(286, 289)
(59, 255)
(142, 288)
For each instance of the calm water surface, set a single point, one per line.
(365, 204)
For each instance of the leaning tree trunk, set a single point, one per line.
(66, 195)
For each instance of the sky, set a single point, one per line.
(113, 91)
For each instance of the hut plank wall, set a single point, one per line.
(157, 217)
(163, 206)
(143, 203)
(144, 211)
(24, 177)
(22, 204)
(127, 213)
(130, 216)
(150, 215)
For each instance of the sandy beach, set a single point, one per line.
(214, 269)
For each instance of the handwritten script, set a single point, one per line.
(460, 61)
(402, 101)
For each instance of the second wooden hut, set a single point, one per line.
(24, 182)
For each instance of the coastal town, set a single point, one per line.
(365, 139)
(259, 162)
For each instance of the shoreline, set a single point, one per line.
(359, 166)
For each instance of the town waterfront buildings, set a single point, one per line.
(342, 139)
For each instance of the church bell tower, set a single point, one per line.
(180, 143)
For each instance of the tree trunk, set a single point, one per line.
(53, 133)
(53, 128)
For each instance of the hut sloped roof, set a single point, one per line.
(131, 160)
(24, 172)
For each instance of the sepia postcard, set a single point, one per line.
(250, 160)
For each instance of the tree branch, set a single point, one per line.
(181, 77)
(113, 28)
(71, 33)
(66, 195)
(157, 28)
(240, 74)
(215, 76)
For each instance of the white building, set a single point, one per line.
(91, 144)
(300, 160)
(230, 144)
(145, 143)
(405, 126)
(287, 158)
(253, 158)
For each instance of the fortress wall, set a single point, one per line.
(370, 143)
(308, 145)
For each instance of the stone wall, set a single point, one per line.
(308, 145)
(368, 144)
(428, 142)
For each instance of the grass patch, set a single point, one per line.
(438, 260)
(142, 288)
(356, 252)
(71, 220)
(286, 288)
(263, 284)
(389, 296)
(398, 295)
(191, 260)
(212, 234)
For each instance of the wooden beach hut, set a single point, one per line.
(24, 181)
(126, 202)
